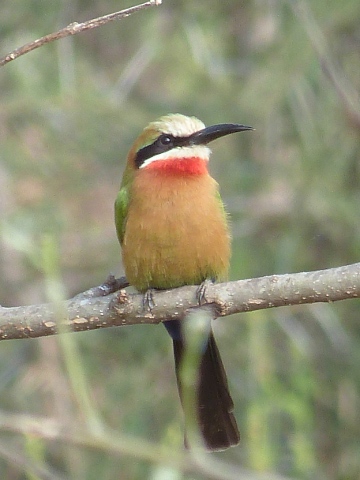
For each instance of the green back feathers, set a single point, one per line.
(121, 209)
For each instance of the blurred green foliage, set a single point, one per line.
(69, 113)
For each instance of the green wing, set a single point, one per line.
(121, 210)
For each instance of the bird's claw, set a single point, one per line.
(148, 299)
(201, 291)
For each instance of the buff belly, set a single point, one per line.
(176, 232)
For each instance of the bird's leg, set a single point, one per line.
(148, 299)
(201, 291)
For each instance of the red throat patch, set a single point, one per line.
(180, 166)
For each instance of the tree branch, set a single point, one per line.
(73, 29)
(110, 305)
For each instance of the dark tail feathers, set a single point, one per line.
(217, 422)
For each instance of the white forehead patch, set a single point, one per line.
(199, 151)
(178, 125)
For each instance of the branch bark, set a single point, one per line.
(110, 305)
(73, 29)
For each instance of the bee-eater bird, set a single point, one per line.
(173, 229)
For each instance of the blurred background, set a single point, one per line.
(69, 113)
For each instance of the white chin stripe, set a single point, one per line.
(199, 151)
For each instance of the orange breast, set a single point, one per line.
(176, 231)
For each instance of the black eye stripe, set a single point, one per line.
(163, 143)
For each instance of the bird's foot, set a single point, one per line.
(201, 291)
(148, 299)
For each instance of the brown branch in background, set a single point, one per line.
(75, 28)
(91, 310)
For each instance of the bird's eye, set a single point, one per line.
(165, 140)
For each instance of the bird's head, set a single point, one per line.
(178, 144)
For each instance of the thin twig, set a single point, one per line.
(75, 28)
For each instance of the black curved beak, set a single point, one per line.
(208, 134)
